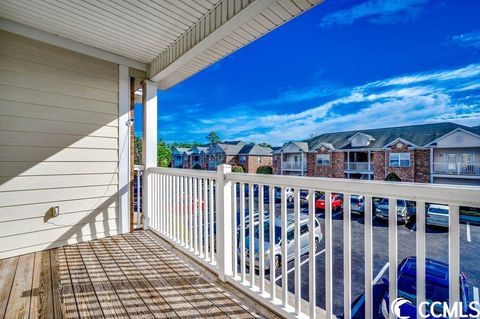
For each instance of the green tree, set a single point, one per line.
(137, 150)
(392, 177)
(186, 144)
(237, 169)
(264, 170)
(164, 154)
(265, 145)
(213, 138)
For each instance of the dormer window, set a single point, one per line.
(361, 140)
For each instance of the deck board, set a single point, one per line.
(21, 293)
(7, 274)
(41, 304)
(124, 276)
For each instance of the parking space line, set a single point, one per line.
(469, 236)
(301, 264)
(380, 274)
(475, 294)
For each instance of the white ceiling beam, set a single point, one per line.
(157, 71)
(35, 34)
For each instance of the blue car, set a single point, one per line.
(436, 273)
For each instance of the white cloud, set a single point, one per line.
(417, 98)
(376, 11)
(468, 40)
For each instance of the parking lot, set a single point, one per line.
(436, 248)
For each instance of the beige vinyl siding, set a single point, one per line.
(58, 146)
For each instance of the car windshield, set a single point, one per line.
(400, 202)
(356, 200)
(407, 288)
(438, 210)
(266, 232)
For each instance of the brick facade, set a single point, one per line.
(251, 164)
(277, 170)
(422, 165)
(335, 169)
(378, 159)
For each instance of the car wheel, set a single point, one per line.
(278, 262)
(317, 245)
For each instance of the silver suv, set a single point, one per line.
(304, 240)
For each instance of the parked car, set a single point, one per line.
(404, 208)
(437, 215)
(357, 204)
(288, 194)
(337, 201)
(436, 280)
(277, 246)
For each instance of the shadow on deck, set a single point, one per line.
(126, 276)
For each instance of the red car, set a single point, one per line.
(337, 201)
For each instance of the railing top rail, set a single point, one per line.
(184, 172)
(433, 193)
(138, 167)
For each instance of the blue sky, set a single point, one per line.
(343, 65)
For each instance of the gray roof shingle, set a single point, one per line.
(420, 135)
(255, 149)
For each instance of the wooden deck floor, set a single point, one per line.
(128, 276)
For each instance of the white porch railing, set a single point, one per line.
(294, 165)
(137, 196)
(358, 166)
(456, 168)
(203, 212)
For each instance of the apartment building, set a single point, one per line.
(437, 153)
(253, 156)
(180, 157)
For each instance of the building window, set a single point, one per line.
(323, 160)
(259, 160)
(399, 159)
(242, 159)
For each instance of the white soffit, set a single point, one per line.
(175, 38)
(229, 26)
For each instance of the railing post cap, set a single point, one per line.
(225, 168)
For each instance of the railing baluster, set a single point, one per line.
(347, 257)
(205, 217)
(234, 229)
(261, 239)
(199, 205)
(271, 201)
(296, 229)
(212, 234)
(368, 257)
(190, 213)
(242, 232)
(284, 247)
(182, 210)
(195, 214)
(175, 208)
(162, 202)
(420, 238)
(157, 201)
(311, 254)
(251, 224)
(328, 255)
(392, 251)
(454, 254)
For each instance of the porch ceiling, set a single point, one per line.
(175, 39)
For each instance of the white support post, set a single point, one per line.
(224, 223)
(124, 148)
(149, 145)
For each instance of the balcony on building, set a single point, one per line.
(358, 165)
